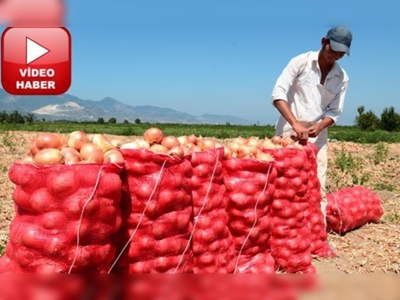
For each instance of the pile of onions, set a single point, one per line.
(78, 147)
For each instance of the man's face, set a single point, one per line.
(330, 55)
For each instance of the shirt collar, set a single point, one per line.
(336, 69)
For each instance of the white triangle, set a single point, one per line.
(34, 51)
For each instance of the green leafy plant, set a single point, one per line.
(384, 187)
(381, 153)
(391, 218)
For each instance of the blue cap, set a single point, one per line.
(340, 39)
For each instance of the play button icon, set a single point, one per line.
(34, 51)
(36, 61)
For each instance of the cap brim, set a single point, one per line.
(338, 47)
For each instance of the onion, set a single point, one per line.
(206, 144)
(48, 140)
(183, 140)
(227, 153)
(153, 135)
(264, 156)
(76, 139)
(143, 144)
(244, 151)
(276, 139)
(32, 148)
(157, 148)
(71, 155)
(192, 139)
(253, 142)
(177, 151)
(170, 142)
(234, 146)
(101, 141)
(130, 145)
(267, 144)
(240, 140)
(48, 156)
(195, 149)
(116, 143)
(25, 160)
(286, 141)
(91, 153)
(186, 150)
(113, 156)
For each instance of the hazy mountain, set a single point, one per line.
(69, 107)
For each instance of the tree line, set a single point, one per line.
(16, 117)
(365, 120)
(368, 121)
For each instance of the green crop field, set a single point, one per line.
(340, 133)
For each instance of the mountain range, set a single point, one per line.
(72, 108)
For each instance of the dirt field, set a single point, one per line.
(374, 248)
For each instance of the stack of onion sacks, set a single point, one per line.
(65, 213)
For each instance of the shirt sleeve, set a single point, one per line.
(335, 108)
(287, 77)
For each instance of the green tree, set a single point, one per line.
(30, 118)
(390, 120)
(126, 121)
(16, 118)
(366, 121)
(112, 120)
(3, 116)
(100, 120)
(137, 121)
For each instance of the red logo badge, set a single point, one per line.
(36, 61)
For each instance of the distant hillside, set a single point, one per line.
(69, 107)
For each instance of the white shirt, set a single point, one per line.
(310, 101)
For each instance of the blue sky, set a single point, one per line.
(223, 57)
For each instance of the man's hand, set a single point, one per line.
(314, 130)
(302, 133)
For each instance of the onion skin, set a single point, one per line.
(71, 155)
(48, 156)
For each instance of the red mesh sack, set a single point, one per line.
(212, 243)
(65, 215)
(249, 189)
(290, 240)
(314, 215)
(157, 214)
(351, 208)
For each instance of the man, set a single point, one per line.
(310, 93)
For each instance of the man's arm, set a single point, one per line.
(284, 110)
(315, 129)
